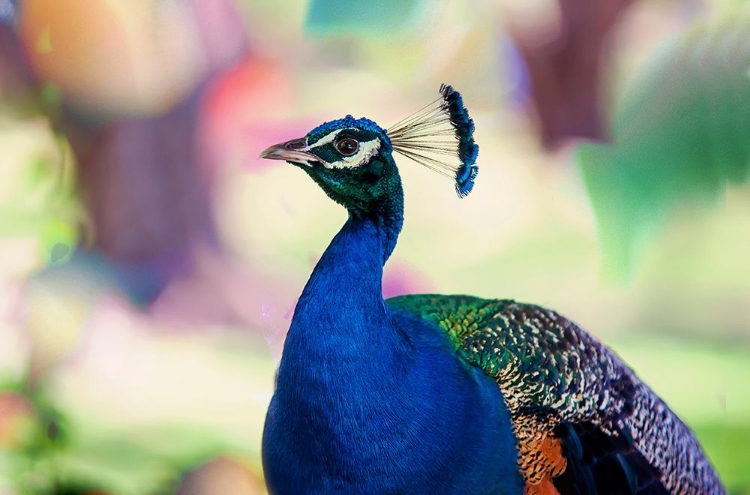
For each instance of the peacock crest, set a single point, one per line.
(438, 135)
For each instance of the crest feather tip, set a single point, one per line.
(439, 134)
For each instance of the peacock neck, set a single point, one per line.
(342, 305)
(386, 221)
(372, 402)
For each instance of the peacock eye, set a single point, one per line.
(347, 146)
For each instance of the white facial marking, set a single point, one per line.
(328, 138)
(367, 150)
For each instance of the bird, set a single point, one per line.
(447, 394)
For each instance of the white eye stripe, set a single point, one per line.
(328, 138)
(367, 150)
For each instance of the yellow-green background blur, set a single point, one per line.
(143, 309)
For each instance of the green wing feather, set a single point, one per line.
(551, 371)
(538, 358)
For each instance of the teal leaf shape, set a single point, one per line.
(680, 135)
(335, 17)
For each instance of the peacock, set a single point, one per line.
(447, 394)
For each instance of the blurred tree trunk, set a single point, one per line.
(566, 72)
(141, 181)
(16, 79)
(141, 178)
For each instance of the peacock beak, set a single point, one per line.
(294, 151)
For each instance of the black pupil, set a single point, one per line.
(347, 146)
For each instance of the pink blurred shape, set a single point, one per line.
(400, 277)
(245, 110)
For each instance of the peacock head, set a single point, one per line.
(351, 159)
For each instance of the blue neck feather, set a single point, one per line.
(344, 293)
(373, 402)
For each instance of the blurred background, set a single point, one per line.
(150, 262)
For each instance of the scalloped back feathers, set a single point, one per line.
(583, 419)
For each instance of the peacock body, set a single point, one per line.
(447, 394)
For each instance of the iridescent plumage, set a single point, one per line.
(447, 394)
(551, 372)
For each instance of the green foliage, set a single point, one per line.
(728, 444)
(680, 135)
(42, 200)
(705, 384)
(360, 16)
